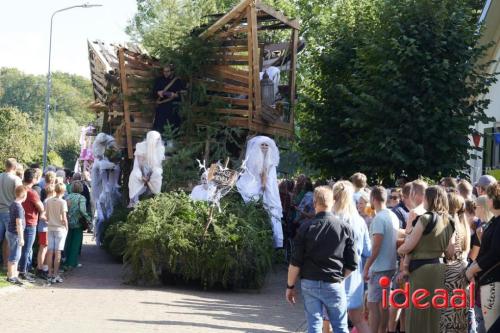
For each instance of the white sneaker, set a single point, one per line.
(58, 279)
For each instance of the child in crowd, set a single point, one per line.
(42, 267)
(56, 210)
(15, 234)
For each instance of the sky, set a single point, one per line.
(25, 27)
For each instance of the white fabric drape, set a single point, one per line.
(105, 176)
(148, 160)
(250, 184)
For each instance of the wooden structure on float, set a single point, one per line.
(123, 76)
(240, 58)
(122, 79)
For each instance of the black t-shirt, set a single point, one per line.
(489, 253)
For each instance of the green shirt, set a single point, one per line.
(76, 209)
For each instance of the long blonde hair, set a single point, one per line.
(457, 210)
(483, 202)
(343, 193)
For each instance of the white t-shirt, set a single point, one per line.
(55, 209)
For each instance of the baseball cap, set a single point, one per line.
(485, 181)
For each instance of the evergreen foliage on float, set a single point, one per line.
(163, 239)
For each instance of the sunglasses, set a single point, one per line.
(392, 197)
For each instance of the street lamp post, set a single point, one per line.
(49, 81)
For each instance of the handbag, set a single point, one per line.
(83, 222)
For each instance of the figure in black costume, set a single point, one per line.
(166, 92)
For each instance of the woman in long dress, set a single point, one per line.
(425, 248)
(456, 320)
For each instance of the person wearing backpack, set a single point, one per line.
(78, 218)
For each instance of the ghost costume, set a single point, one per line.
(148, 160)
(105, 177)
(250, 184)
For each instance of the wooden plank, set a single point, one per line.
(138, 131)
(229, 100)
(278, 15)
(270, 130)
(234, 42)
(250, 68)
(139, 110)
(293, 74)
(142, 73)
(242, 113)
(277, 124)
(227, 58)
(227, 78)
(227, 88)
(233, 28)
(140, 84)
(232, 49)
(228, 62)
(126, 114)
(141, 125)
(232, 14)
(255, 56)
(237, 122)
(137, 64)
(232, 70)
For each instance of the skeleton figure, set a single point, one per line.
(205, 191)
(262, 158)
(147, 172)
(105, 176)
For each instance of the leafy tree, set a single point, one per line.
(71, 95)
(20, 139)
(394, 87)
(163, 24)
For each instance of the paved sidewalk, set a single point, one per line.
(93, 299)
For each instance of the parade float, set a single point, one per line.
(239, 83)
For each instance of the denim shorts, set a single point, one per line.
(14, 247)
(374, 288)
(56, 240)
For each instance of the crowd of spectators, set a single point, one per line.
(46, 214)
(344, 238)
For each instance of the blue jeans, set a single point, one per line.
(27, 251)
(330, 295)
(4, 223)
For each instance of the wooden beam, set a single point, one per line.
(231, 73)
(250, 68)
(278, 15)
(232, 14)
(227, 88)
(126, 112)
(229, 100)
(293, 74)
(252, 23)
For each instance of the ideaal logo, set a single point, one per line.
(439, 300)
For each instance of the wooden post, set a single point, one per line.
(250, 68)
(126, 111)
(252, 23)
(293, 78)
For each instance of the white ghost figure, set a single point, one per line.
(147, 172)
(260, 180)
